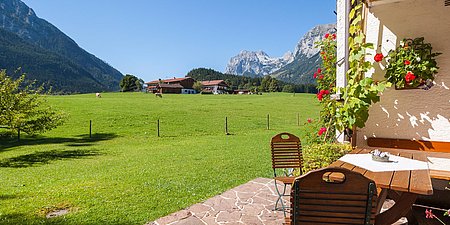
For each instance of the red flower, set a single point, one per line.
(409, 77)
(322, 130)
(333, 36)
(320, 77)
(309, 120)
(315, 75)
(429, 214)
(324, 57)
(407, 62)
(378, 57)
(319, 97)
(327, 35)
(322, 53)
(319, 70)
(327, 92)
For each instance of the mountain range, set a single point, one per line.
(292, 67)
(47, 55)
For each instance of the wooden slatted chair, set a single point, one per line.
(315, 199)
(286, 156)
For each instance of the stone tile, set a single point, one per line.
(198, 208)
(228, 216)
(245, 196)
(251, 220)
(249, 187)
(174, 217)
(189, 221)
(253, 209)
(261, 180)
(210, 220)
(229, 194)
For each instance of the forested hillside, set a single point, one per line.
(266, 84)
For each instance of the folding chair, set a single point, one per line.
(286, 156)
(318, 198)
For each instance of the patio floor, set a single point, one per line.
(250, 203)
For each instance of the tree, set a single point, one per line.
(130, 83)
(24, 109)
(197, 86)
(288, 88)
(273, 86)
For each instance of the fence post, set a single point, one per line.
(90, 128)
(18, 134)
(226, 126)
(158, 127)
(268, 122)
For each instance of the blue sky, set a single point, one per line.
(165, 38)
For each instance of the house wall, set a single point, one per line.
(410, 114)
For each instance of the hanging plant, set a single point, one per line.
(412, 64)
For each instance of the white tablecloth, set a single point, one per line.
(396, 163)
(441, 164)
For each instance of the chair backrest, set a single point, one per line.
(318, 200)
(286, 151)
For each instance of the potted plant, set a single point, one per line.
(412, 65)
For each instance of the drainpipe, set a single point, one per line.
(347, 27)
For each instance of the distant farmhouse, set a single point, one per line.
(215, 86)
(174, 86)
(185, 86)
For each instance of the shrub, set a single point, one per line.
(316, 156)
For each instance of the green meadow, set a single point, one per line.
(124, 173)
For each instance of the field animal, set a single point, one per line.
(158, 94)
(98, 95)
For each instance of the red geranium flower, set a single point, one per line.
(378, 57)
(320, 77)
(333, 36)
(409, 77)
(319, 97)
(327, 35)
(322, 53)
(315, 75)
(309, 120)
(322, 130)
(319, 70)
(407, 62)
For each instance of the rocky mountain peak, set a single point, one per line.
(306, 46)
(259, 63)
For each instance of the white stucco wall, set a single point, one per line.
(410, 114)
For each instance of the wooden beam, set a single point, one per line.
(432, 146)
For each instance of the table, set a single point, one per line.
(402, 186)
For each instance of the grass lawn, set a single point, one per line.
(125, 174)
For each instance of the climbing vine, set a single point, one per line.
(346, 107)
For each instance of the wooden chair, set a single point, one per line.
(317, 199)
(286, 156)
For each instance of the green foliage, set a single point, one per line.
(360, 92)
(130, 83)
(288, 88)
(197, 86)
(412, 56)
(24, 108)
(316, 156)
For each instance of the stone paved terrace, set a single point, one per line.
(251, 203)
